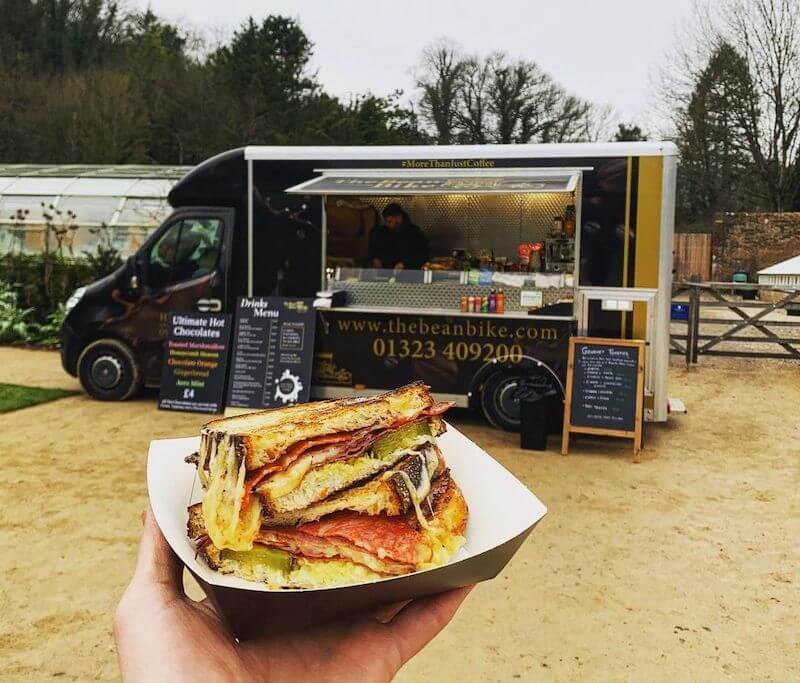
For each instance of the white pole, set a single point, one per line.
(324, 241)
(249, 227)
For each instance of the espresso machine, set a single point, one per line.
(559, 254)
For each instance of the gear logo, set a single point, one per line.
(288, 388)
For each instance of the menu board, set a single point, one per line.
(605, 387)
(273, 351)
(195, 362)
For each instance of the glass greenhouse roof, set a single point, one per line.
(93, 195)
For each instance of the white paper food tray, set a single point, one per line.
(502, 512)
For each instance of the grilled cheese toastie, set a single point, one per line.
(369, 464)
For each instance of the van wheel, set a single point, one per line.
(503, 391)
(108, 370)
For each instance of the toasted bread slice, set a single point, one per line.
(262, 437)
(387, 494)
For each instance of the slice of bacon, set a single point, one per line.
(438, 409)
(386, 538)
(297, 541)
(379, 535)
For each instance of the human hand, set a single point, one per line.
(161, 634)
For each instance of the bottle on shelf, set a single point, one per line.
(464, 304)
(484, 304)
(569, 221)
(492, 301)
(500, 304)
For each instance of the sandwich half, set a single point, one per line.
(369, 464)
(345, 547)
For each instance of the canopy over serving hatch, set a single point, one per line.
(382, 181)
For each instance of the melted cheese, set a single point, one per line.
(414, 494)
(227, 523)
(444, 546)
(281, 483)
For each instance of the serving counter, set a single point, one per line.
(446, 295)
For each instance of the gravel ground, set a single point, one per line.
(685, 565)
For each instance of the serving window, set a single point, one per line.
(402, 240)
(460, 230)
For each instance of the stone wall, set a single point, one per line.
(752, 241)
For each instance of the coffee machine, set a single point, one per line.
(559, 254)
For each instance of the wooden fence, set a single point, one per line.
(692, 258)
(699, 340)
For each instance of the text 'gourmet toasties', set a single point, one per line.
(328, 493)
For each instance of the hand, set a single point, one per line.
(163, 635)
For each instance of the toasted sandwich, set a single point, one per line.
(327, 493)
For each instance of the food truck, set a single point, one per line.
(468, 267)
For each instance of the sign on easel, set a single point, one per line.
(195, 362)
(605, 389)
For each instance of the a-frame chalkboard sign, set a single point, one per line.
(605, 389)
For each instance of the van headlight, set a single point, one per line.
(74, 299)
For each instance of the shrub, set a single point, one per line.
(15, 322)
(43, 282)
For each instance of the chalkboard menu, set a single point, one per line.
(273, 351)
(605, 385)
(195, 362)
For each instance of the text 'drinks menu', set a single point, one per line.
(273, 351)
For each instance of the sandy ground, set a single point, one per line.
(683, 567)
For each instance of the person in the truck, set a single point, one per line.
(397, 243)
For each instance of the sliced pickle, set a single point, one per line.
(405, 437)
(260, 556)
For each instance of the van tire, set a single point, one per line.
(108, 371)
(495, 396)
(502, 390)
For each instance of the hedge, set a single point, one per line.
(43, 281)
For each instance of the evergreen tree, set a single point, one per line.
(713, 144)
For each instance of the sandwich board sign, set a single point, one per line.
(605, 389)
(273, 352)
(195, 362)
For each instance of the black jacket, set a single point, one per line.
(405, 244)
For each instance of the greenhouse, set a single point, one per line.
(73, 209)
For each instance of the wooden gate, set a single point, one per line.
(703, 334)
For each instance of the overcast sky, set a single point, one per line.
(603, 50)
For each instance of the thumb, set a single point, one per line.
(158, 566)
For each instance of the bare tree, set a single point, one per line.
(767, 34)
(766, 109)
(472, 116)
(438, 79)
(496, 99)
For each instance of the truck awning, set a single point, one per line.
(382, 181)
